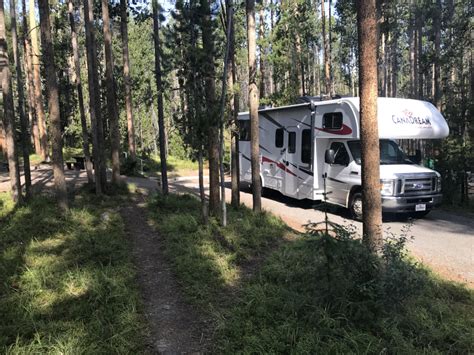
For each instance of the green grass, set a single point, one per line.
(176, 166)
(209, 259)
(312, 294)
(67, 282)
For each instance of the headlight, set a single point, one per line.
(386, 187)
(438, 184)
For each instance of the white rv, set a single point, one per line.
(301, 143)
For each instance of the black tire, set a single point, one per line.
(355, 206)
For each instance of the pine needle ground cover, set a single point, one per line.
(67, 282)
(270, 292)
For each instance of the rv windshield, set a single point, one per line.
(390, 152)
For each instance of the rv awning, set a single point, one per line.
(406, 118)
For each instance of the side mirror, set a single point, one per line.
(329, 156)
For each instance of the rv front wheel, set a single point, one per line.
(355, 206)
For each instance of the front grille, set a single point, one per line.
(415, 185)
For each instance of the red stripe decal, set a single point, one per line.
(280, 165)
(344, 131)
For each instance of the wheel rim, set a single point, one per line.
(357, 207)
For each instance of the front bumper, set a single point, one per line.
(400, 204)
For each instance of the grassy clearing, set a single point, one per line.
(176, 166)
(210, 260)
(67, 282)
(314, 294)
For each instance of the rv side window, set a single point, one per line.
(291, 142)
(306, 146)
(244, 130)
(332, 120)
(279, 137)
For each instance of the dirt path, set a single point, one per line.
(174, 326)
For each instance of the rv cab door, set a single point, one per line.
(338, 175)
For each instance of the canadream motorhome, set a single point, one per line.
(302, 143)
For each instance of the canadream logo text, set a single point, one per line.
(407, 117)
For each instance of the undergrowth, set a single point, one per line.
(315, 294)
(67, 281)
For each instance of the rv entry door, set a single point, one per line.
(291, 168)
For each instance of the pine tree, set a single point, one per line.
(8, 112)
(53, 105)
(127, 80)
(253, 109)
(42, 149)
(80, 96)
(25, 137)
(159, 87)
(111, 94)
(371, 198)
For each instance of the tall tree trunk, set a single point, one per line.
(372, 215)
(30, 82)
(53, 105)
(263, 52)
(419, 29)
(25, 137)
(202, 194)
(300, 65)
(230, 15)
(437, 52)
(331, 78)
(253, 109)
(394, 62)
(412, 56)
(98, 148)
(40, 116)
(127, 80)
(327, 70)
(111, 95)
(8, 112)
(159, 88)
(234, 110)
(80, 97)
(210, 93)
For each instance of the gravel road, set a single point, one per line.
(442, 240)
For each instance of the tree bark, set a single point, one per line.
(437, 53)
(261, 35)
(30, 83)
(372, 216)
(8, 112)
(111, 95)
(327, 71)
(127, 80)
(419, 29)
(253, 109)
(80, 97)
(53, 105)
(94, 100)
(159, 88)
(331, 79)
(211, 104)
(40, 116)
(25, 137)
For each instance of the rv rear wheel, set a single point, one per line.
(355, 207)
